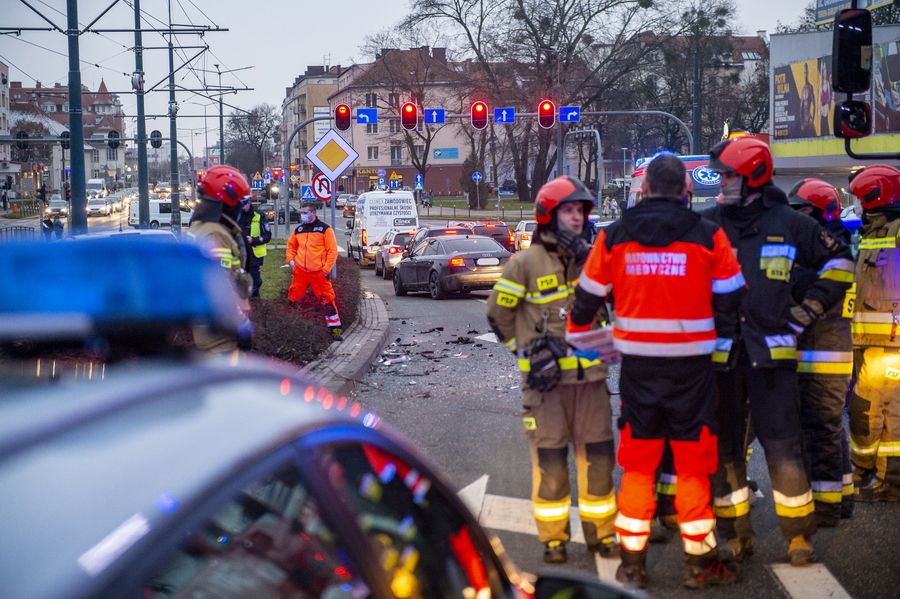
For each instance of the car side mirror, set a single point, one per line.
(852, 119)
(851, 61)
(555, 585)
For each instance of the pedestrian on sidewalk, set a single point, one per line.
(312, 252)
(47, 227)
(565, 399)
(670, 271)
(58, 227)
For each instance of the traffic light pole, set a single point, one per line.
(78, 216)
(137, 81)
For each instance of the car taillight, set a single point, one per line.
(450, 232)
(512, 238)
(526, 236)
(458, 261)
(490, 226)
(393, 250)
(364, 238)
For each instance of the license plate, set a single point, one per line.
(487, 261)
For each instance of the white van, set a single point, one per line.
(377, 212)
(96, 188)
(160, 214)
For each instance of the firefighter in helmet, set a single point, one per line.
(565, 399)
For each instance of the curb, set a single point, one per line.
(346, 362)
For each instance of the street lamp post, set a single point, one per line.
(222, 110)
(624, 166)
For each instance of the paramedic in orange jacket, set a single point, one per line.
(669, 270)
(312, 252)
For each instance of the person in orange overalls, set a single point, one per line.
(312, 252)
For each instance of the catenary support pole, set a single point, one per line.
(76, 124)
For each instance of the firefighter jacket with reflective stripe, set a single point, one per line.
(313, 247)
(770, 238)
(226, 245)
(668, 269)
(531, 299)
(824, 347)
(876, 315)
(256, 227)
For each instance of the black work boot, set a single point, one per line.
(877, 491)
(336, 334)
(863, 477)
(702, 571)
(632, 572)
(555, 552)
(736, 549)
(607, 547)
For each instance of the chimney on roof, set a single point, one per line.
(37, 84)
(728, 32)
(761, 34)
(439, 54)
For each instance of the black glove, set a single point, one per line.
(544, 373)
(800, 317)
(573, 243)
(327, 275)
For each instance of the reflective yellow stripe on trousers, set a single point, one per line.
(794, 507)
(733, 505)
(825, 362)
(567, 363)
(552, 511)
(597, 509)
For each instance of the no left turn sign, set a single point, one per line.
(321, 187)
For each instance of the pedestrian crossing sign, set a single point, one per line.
(306, 192)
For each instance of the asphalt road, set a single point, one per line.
(458, 399)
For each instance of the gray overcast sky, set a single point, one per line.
(278, 37)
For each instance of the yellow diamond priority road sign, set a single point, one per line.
(332, 155)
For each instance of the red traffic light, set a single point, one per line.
(409, 116)
(546, 114)
(293, 167)
(276, 172)
(342, 117)
(479, 115)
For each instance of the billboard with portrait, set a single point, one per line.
(804, 101)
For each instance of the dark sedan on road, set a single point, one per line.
(269, 211)
(450, 264)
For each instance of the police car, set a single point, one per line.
(176, 475)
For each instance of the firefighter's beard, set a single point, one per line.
(731, 194)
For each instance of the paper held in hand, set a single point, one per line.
(594, 344)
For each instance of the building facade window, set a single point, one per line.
(112, 154)
(371, 100)
(95, 156)
(394, 126)
(372, 152)
(396, 155)
(420, 151)
(66, 107)
(393, 100)
(372, 128)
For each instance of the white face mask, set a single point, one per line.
(731, 193)
(307, 218)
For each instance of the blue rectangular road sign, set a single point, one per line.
(434, 116)
(381, 181)
(569, 114)
(366, 116)
(504, 115)
(395, 183)
(420, 181)
(256, 183)
(306, 192)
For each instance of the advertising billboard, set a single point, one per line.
(804, 101)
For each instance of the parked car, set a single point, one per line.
(423, 233)
(390, 251)
(57, 208)
(450, 264)
(269, 211)
(219, 477)
(343, 200)
(509, 186)
(496, 230)
(524, 233)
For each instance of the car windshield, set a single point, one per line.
(94, 186)
(57, 204)
(530, 226)
(402, 240)
(487, 229)
(481, 244)
(97, 203)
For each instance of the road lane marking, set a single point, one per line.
(809, 582)
(513, 514)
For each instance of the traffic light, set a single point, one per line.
(199, 177)
(546, 114)
(342, 117)
(293, 167)
(479, 115)
(64, 140)
(409, 116)
(113, 140)
(155, 139)
(276, 174)
(21, 140)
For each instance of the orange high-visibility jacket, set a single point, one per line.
(313, 247)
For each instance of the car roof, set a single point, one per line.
(87, 465)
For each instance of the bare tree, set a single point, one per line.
(251, 136)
